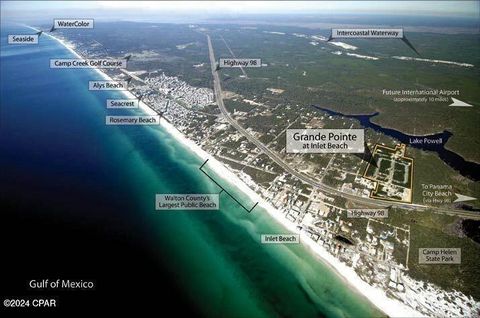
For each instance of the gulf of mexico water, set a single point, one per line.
(78, 202)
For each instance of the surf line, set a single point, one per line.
(224, 190)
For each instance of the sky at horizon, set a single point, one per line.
(149, 9)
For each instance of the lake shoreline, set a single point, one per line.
(468, 169)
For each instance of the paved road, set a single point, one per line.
(306, 179)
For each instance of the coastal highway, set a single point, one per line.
(306, 179)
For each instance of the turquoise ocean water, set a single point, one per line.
(64, 169)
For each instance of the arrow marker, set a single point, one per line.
(407, 42)
(457, 102)
(462, 198)
(366, 156)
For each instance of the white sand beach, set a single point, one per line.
(377, 296)
(365, 57)
(409, 58)
(343, 45)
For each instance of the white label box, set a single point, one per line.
(325, 140)
(107, 85)
(88, 63)
(231, 62)
(192, 201)
(367, 213)
(122, 103)
(73, 23)
(372, 33)
(439, 255)
(280, 238)
(133, 120)
(23, 39)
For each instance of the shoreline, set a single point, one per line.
(375, 115)
(376, 296)
(373, 119)
(446, 145)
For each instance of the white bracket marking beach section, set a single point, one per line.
(224, 190)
